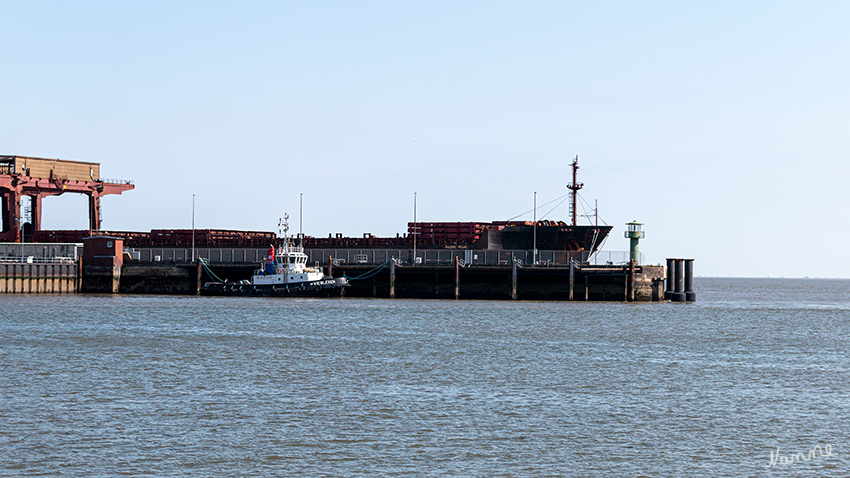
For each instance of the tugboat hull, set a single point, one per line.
(327, 287)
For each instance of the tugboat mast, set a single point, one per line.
(574, 187)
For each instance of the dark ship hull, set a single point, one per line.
(554, 238)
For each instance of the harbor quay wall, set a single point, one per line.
(649, 283)
(107, 268)
(497, 283)
(142, 278)
(611, 283)
(157, 278)
(102, 279)
(29, 278)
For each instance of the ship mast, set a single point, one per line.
(283, 226)
(574, 187)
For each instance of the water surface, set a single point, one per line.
(96, 385)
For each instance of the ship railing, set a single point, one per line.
(115, 181)
(217, 255)
(444, 257)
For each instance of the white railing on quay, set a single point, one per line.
(36, 260)
(614, 258)
(40, 252)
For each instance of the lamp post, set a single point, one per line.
(414, 228)
(193, 228)
(534, 256)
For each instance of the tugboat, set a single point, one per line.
(285, 275)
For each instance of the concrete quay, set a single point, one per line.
(104, 267)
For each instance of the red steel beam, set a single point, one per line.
(14, 186)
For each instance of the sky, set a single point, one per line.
(724, 127)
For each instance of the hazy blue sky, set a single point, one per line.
(724, 126)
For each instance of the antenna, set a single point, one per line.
(283, 224)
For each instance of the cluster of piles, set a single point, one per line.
(680, 280)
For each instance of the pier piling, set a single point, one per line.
(198, 277)
(679, 292)
(671, 279)
(513, 280)
(690, 295)
(457, 278)
(586, 290)
(392, 279)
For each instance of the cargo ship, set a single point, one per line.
(497, 235)
(500, 235)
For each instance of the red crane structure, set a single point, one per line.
(38, 178)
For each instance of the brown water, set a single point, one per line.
(190, 386)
